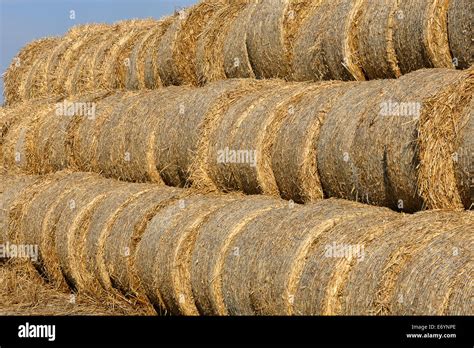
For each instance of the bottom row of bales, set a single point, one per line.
(188, 253)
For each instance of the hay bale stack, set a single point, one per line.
(167, 247)
(87, 133)
(421, 35)
(210, 45)
(177, 49)
(270, 36)
(120, 248)
(118, 61)
(294, 152)
(186, 118)
(377, 55)
(448, 258)
(73, 223)
(370, 286)
(236, 58)
(460, 18)
(212, 245)
(327, 46)
(92, 257)
(20, 67)
(446, 134)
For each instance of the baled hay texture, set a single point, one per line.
(225, 156)
(326, 47)
(323, 272)
(118, 60)
(81, 36)
(255, 134)
(185, 46)
(212, 244)
(167, 246)
(294, 153)
(79, 78)
(24, 292)
(210, 45)
(103, 218)
(385, 149)
(44, 216)
(461, 35)
(421, 35)
(186, 116)
(375, 39)
(87, 133)
(270, 34)
(74, 221)
(18, 70)
(34, 85)
(446, 136)
(236, 58)
(149, 63)
(335, 161)
(11, 188)
(120, 248)
(371, 284)
(447, 258)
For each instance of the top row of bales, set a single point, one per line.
(296, 40)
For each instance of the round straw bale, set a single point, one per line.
(294, 152)
(375, 39)
(177, 48)
(445, 138)
(385, 149)
(370, 284)
(212, 244)
(118, 60)
(86, 134)
(236, 58)
(334, 158)
(11, 187)
(167, 247)
(91, 256)
(270, 36)
(327, 44)
(149, 63)
(210, 45)
(427, 281)
(327, 263)
(225, 155)
(120, 247)
(421, 35)
(460, 18)
(18, 70)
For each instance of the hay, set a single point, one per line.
(375, 39)
(186, 116)
(210, 45)
(446, 257)
(118, 62)
(167, 247)
(270, 36)
(212, 244)
(294, 152)
(445, 141)
(18, 70)
(460, 18)
(421, 35)
(326, 46)
(120, 247)
(371, 284)
(236, 59)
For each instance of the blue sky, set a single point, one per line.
(24, 20)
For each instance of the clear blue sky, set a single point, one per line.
(24, 20)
